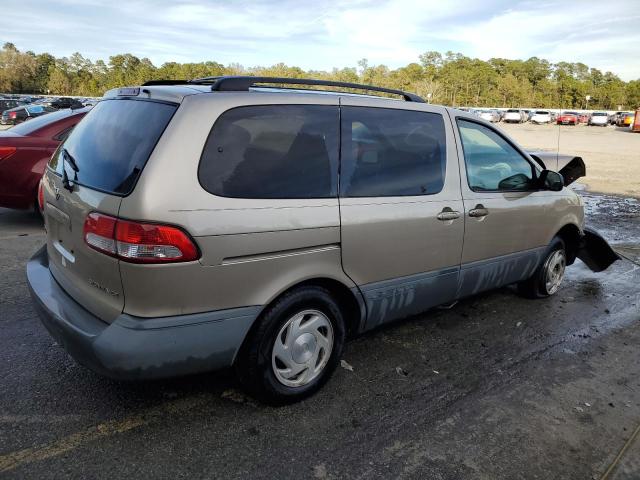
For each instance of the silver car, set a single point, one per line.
(490, 115)
(198, 225)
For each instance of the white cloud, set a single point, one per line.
(324, 33)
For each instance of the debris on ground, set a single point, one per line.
(345, 365)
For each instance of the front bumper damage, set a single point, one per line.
(595, 251)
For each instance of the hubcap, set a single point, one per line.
(554, 271)
(302, 348)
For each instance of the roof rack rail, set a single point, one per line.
(151, 83)
(244, 83)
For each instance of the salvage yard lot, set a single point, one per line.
(611, 154)
(496, 387)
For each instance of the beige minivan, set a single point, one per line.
(232, 222)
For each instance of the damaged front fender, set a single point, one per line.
(595, 251)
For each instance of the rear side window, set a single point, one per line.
(113, 143)
(272, 151)
(389, 152)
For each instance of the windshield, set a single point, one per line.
(541, 112)
(599, 114)
(113, 143)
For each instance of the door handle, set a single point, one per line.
(447, 214)
(478, 211)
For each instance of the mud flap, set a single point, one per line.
(595, 252)
(573, 171)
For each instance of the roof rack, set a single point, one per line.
(244, 83)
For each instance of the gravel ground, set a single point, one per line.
(495, 387)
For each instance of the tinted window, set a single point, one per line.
(272, 151)
(113, 142)
(388, 152)
(492, 163)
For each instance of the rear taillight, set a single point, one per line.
(41, 196)
(138, 242)
(13, 114)
(6, 152)
(99, 232)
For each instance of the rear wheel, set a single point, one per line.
(549, 275)
(294, 348)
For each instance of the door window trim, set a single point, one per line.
(534, 170)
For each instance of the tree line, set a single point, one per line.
(449, 79)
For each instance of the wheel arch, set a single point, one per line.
(570, 235)
(350, 302)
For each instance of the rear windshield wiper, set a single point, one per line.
(66, 156)
(72, 161)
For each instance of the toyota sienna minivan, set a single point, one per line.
(231, 222)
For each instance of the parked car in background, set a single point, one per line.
(583, 117)
(567, 118)
(254, 253)
(613, 119)
(600, 119)
(23, 113)
(7, 104)
(66, 102)
(490, 115)
(514, 115)
(541, 117)
(625, 119)
(24, 152)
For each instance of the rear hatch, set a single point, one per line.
(92, 171)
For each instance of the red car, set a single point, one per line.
(24, 152)
(567, 118)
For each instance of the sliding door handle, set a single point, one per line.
(448, 214)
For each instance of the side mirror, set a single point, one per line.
(550, 180)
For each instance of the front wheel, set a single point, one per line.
(549, 275)
(294, 348)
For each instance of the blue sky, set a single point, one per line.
(321, 34)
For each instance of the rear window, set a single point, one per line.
(513, 111)
(541, 112)
(113, 143)
(389, 152)
(599, 114)
(272, 151)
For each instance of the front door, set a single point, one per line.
(506, 215)
(400, 205)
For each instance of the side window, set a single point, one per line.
(492, 163)
(388, 152)
(272, 151)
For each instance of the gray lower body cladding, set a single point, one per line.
(135, 348)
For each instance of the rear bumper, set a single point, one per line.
(135, 348)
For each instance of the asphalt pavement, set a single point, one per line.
(496, 387)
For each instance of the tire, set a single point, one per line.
(541, 284)
(296, 330)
